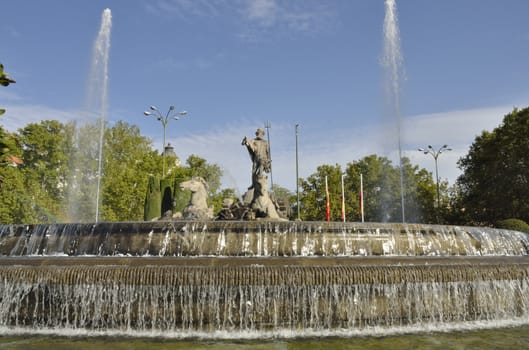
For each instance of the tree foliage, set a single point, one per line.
(45, 149)
(5, 80)
(381, 192)
(495, 180)
(128, 162)
(313, 202)
(5, 145)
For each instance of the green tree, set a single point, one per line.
(209, 172)
(45, 168)
(420, 194)
(10, 150)
(381, 192)
(5, 138)
(495, 180)
(128, 162)
(212, 174)
(5, 80)
(15, 202)
(286, 200)
(313, 201)
(16, 205)
(380, 189)
(83, 173)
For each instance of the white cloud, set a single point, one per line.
(257, 17)
(18, 116)
(459, 126)
(262, 11)
(184, 9)
(315, 147)
(286, 16)
(316, 144)
(457, 129)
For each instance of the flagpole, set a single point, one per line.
(362, 197)
(343, 200)
(328, 203)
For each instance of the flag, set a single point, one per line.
(343, 209)
(14, 159)
(328, 201)
(361, 199)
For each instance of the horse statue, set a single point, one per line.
(197, 208)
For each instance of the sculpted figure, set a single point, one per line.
(197, 208)
(259, 152)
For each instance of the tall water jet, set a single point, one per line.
(84, 194)
(393, 64)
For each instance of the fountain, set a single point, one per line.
(264, 277)
(261, 278)
(189, 278)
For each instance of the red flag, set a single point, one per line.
(328, 204)
(14, 159)
(361, 198)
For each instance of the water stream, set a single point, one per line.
(86, 161)
(392, 62)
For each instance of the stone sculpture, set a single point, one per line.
(260, 203)
(197, 208)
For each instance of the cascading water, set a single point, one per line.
(393, 63)
(85, 182)
(251, 239)
(236, 279)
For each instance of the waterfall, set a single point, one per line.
(262, 298)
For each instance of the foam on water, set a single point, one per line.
(275, 334)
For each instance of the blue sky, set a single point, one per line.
(235, 64)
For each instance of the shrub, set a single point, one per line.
(513, 224)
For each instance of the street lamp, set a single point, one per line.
(164, 120)
(297, 173)
(435, 154)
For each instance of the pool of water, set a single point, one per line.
(502, 338)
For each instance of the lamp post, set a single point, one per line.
(435, 154)
(297, 172)
(164, 120)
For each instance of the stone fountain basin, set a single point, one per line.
(258, 238)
